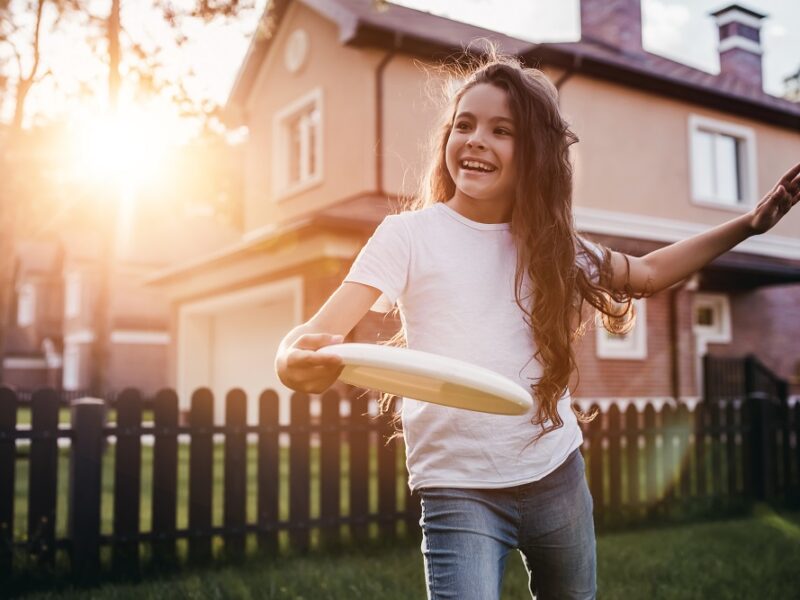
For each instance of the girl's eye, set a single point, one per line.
(462, 125)
(502, 131)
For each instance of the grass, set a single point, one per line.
(65, 415)
(755, 557)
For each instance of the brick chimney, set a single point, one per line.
(740, 43)
(616, 23)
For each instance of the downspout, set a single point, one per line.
(577, 61)
(674, 332)
(379, 117)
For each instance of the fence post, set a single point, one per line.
(387, 477)
(759, 416)
(43, 475)
(269, 458)
(88, 415)
(235, 491)
(596, 467)
(201, 466)
(127, 482)
(330, 449)
(784, 414)
(359, 465)
(164, 492)
(8, 450)
(299, 473)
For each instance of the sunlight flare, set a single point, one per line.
(124, 148)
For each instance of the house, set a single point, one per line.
(59, 316)
(33, 341)
(336, 95)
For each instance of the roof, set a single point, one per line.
(420, 33)
(740, 8)
(355, 216)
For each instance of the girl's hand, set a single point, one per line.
(304, 370)
(777, 202)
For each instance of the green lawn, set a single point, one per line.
(65, 415)
(756, 557)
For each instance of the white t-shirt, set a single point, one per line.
(453, 281)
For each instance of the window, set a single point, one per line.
(26, 305)
(712, 318)
(72, 295)
(632, 345)
(297, 149)
(722, 163)
(71, 367)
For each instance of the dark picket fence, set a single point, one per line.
(88, 433)
(738, 446)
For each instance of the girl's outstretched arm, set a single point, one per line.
(669, 265)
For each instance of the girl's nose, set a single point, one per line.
(474, 142)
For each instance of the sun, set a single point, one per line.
(126, 147)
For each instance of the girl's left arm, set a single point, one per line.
(669, 265)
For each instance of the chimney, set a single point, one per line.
(740, 43)
(616, 23)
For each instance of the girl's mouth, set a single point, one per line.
(476, 166)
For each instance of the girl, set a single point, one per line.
(488, 268)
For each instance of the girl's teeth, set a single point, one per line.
(476, 165)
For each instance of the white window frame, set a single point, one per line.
(633, 346)
(747, 163)
(720, 304)
(282, 187)
(70, 377)
(72, 295)
(26, 305)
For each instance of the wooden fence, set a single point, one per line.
(738, 446)
(88, 431)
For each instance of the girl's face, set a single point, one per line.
(480, 150)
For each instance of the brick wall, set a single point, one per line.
(766, 322)
(742, 64)
(602, 377)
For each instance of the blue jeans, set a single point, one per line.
(467, 535)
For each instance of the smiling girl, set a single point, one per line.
(487, 267)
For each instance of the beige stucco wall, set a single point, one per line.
(633, 155)
(412, 102)
(346, 78)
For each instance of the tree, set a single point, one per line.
(131, 62)
(17, 152)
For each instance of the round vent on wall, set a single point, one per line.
(296, 50)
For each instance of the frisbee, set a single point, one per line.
(430, 377)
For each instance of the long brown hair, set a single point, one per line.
(550, 254)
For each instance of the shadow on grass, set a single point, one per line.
(55, 580)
